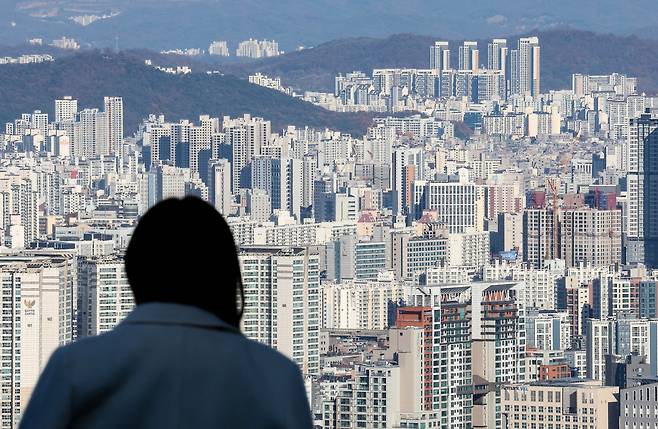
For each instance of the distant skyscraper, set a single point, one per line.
(114, 117)
(440, 56)
(219, 185)
(66, 109)
(525, 64)
(93, 134)
(497, 57)
(642, 175)
(469, 57)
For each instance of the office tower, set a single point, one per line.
(591, 236)
(114, 118)
(642, 181)
(497, 56)
(469, 56)
(525, 67)
(560, 403)
(282, 301)
(538, 237)
(158, 138)
(219, 185)
(448, 382)
(66, 109)
(499, 345)
(440, 56)
(38, 307)
(104, 294)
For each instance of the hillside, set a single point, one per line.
(91, 76)
(563, 52)
(166, 24)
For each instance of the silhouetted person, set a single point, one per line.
(179, 359)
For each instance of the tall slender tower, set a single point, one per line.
(440, 56)
(641, 244)
(469, 56)
(114, 114)
(527, 62)
(497, 56)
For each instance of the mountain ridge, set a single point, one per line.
(563, 52)
(89, 76)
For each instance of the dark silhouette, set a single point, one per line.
(179, 359)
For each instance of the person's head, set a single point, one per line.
(182, 251)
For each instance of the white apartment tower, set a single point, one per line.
(282, 301)
(469, 56)
(66, 109)
(219, 185)
(114, 117)
(37, 301)
(104, 294)
(497, 56)
(440, 56)
(525, 64)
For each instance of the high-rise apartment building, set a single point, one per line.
(65, 109)
(282, 301)
(499, 345)
(219, 185)
(590, 236)
(469, 58)
(525, 71)
(498, 56)
(38, 307)
(114, 118)
(440, 56)
(538, 236)
(642, 180)
(447, 370)
(104, 294)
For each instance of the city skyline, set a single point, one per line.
(482, 254)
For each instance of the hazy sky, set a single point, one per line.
(169, 23)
